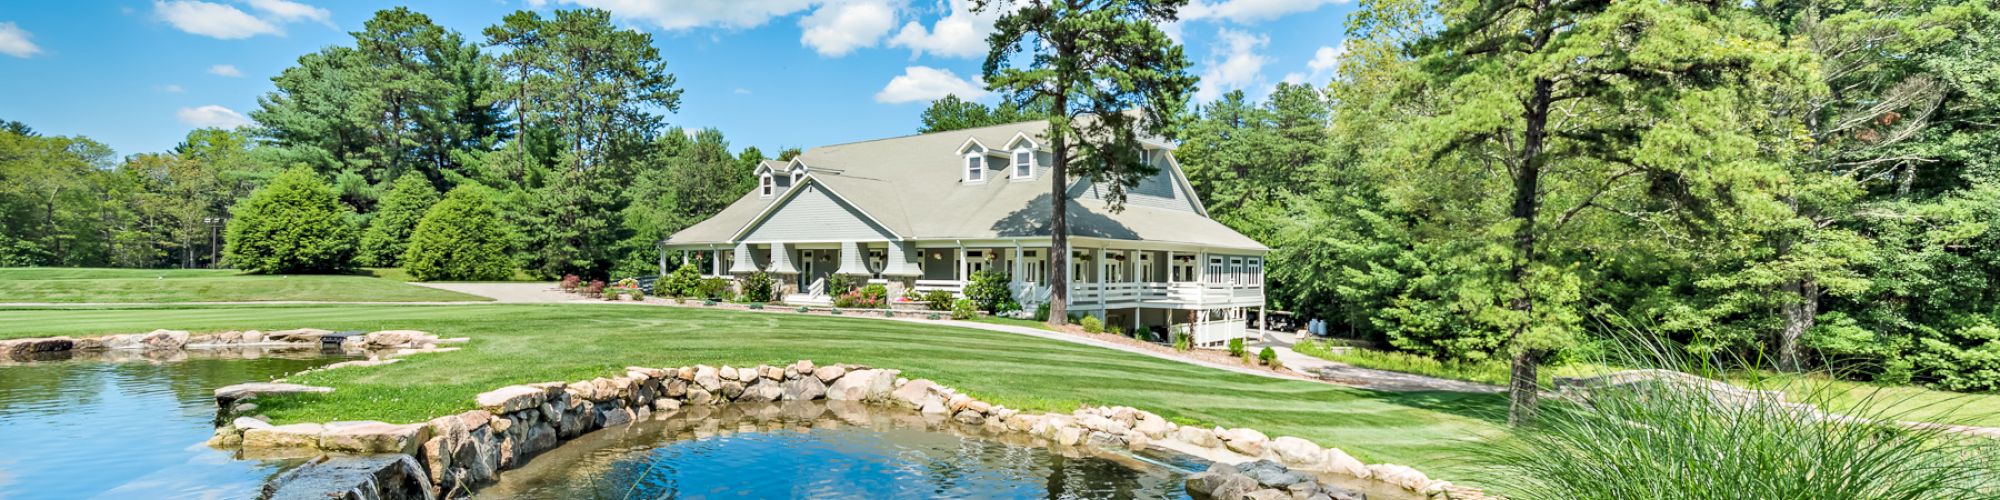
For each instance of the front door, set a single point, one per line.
(805, 270)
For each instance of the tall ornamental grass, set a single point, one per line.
(1690, 438)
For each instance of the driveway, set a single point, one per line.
(510, 292)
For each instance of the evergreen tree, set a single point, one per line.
(1109, 76)
(389, 231)
(295, 224)
(460, 239)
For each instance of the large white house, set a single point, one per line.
(925, 212)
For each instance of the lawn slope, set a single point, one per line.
(536, 343)
(68, 285)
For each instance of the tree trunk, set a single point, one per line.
(1799, 316)
(1059, 225)
(1522, 392)
(1524, 396)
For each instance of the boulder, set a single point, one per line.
(912, 394)
(1295, 452)
(1152, 426)
(1268, 494)
(298, 335)
(1341, 462)
(1401, 476)
(247, 423)
(227, 396)
(805, 388)
(862, 385)
(1246, 441)
(803, 367)
(294, 436)
(746, 375)
(390, 339)
(828, 374)
(764, 390)
(729, 373)
(373, 437)
(731, 390)
(708, 378)
(666, 405)
(969, 417)
(382, 477)
(1197, 436)
(1069, 435)
(512, 398)
(25, 347)
(1272, 474)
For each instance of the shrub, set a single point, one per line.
(460, 238)
(713, 289)
(757, 287)
(709, 303)
(570, 282)
(964, 309)
(611, 294)
(389, 231)
(839, 283)
(1042, 312)
(888, 313)
(1092, 325)
(756, 306)
(1182, 342)
(1115, 330)
(636, 294)
(803, 310)
(988, 290)
(1236, 348)
(1267, 357)
(594, 289)
(295, 224)
(932, 316)
(938, 300)
(835, 311)
(862, 298)
(683, 282)
(876, 293)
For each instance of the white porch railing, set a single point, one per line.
(1217, 331)
(1152, 291)
(817, 289)
(954, 286)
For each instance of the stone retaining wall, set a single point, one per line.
(514, 423)
(388, 342)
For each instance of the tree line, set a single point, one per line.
(558, 117)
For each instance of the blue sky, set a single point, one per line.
(138, 74)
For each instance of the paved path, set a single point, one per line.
(511, 293)
(1346, 374)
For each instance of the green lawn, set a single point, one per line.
(1490, 372)
(398, 274)
(535, 343)
(72, 285)
(1910, 403)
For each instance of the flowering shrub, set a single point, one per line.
(868, 297)
(594, 289)
(570, 282)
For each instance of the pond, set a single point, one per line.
(121, 425)
(817, 450)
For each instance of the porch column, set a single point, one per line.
(1100, 279)
(715, 263)
(744, 262)
(962, 264)
(1170, 268)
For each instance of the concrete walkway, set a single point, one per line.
(1346, 374)
(511, 292)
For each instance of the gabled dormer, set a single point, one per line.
(976, 162)
(1023, 157)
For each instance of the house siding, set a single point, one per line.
(815, 215)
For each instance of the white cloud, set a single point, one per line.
(925, 84)
(960, 33)
(213, 20)
(292, 12)
(837, 28)
(1326, 59)
(742, 91)
(1294, 78)
(212, 116)
(14, 41)
(172, 88)
(1240, 65)
(683, 14)
(1247, 11)
(225, 70)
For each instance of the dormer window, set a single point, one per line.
(1145, 156)
(798, 175)
(767, 185)
(975, 168)
(1024, 164)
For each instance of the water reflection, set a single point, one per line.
(125, 424)
(821, 450)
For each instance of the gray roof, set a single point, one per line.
(912, 186)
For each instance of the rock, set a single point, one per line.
(387, 477)
(804, 389)
(1136, 440)
(862, 385)
(803, 367)
(771, 372)
(389, 339)
(512, 398)
(978, 406)
(1295, 452)
(731, 390)
(1204, 483)
(298, 335)
(932, 405)
(1069, 435)
(697, 396)
(675, 388)
(247, 423)
(1272, 474)
(666, 405)
(373, 437)
(969, 417)
(1341, 462)
(613, 416)
(226, 396)
(1197, 436)
(746, 375)
(1022, 422)
(763, 391)
(1152, 426)
(294, 436)
(1246, 441)
(729, 373)
(828, 374)
(1401, 476)
(1235, 487)
(708, 378)
(912, 394)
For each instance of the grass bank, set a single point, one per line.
(398, 274)
(73, 285)
(535, 343)
(1490, 372)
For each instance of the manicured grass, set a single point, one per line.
(536, 343)
(1025, 323)
(1902, 402)
(69, 285)
(398, 274)
(1491, 372)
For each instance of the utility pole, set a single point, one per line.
(214, 225)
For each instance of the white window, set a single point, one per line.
(975, 168)
(1024, 164)
(798, 176)
(770, 186)
(1146, 156)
